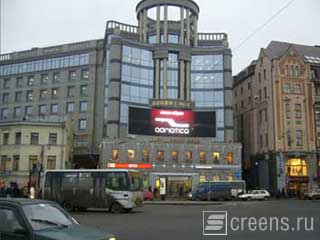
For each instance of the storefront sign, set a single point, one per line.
(129, 166)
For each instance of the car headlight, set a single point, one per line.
(111, 238)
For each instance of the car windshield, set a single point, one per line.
(43, 216)
(135, 181)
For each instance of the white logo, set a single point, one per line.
(172, 122)
(174, 113)
(182, 131)
(215, 223)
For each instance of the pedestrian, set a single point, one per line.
(2, 189)
(8, 191)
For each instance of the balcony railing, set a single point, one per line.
(212, 36)
(122, 27)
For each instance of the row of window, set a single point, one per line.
(34, 138)
(287, 88)
(44, 94)
(298, 138)
(188, 156)
(292, 70)
(297, 110)
(44, 79)
(8, 165)
(44, 65)
(43, 109)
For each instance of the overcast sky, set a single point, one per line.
(39, 23)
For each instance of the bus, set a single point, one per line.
(117, 190)
(237, 187)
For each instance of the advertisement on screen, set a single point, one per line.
(170, 122)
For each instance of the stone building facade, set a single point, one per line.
(275, 118)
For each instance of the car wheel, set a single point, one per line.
(68, 206)
(127, 210)
(116, 208)
(266, 198)
(249, 198)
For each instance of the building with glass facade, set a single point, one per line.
(55, 84)
(168, 107)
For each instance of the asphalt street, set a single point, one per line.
(186, 222)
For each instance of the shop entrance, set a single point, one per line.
(178, 187)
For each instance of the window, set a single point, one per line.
(131, 154)
(229, 158)
(15, 166)
(70, 107)
(54, 93)
(266, 114)
(259, 77)
(203, 157)
(188, 156)
(51, 162)
(289, 138)
(145, 155)
(288, 110)
(72, 76)
(249, 86)
(9, 223)
(267, 140)
(18, 138)
(29, 96)
(299, 138)
(71, 91)
(6, 83)
(296, 167)
(265, 92)
(18, 97)
(33, 160)
(261, 141)
(82, 124)
(216, 157)
(115, 154)
(84, 74)
(5, 98)
(241, 90)
(19, 82)
(249, 100)
(42, 109)
(297, 71)
(52, 138)
(297, 108)
(160, 156)
(265, 74)
(44, 79)
(291, 70)
(242, 104)
(30, 81)
(260, 116)
(287, 70)
(117, 181)
(83, 106)
(3, 165)
(174, 156)
(56, 77)
(297, 89)
(5, 140)
(54, 108)
(84, 90)
(43, 94)
(17, 112)
(260, 95)
(34, 138)
(286, 88)
(4, 113)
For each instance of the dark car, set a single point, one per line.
(210, 192)
(25, 219)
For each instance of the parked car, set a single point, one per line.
(256, 195)
(24, 219)
(148, 196)
(209, 192)
(312, 194)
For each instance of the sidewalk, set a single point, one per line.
(183, 203)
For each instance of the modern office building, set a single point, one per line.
(156, 96)
(277, 117)
(168, 98)
(24, 144)
(54, 83)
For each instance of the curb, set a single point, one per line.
(180, 203)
